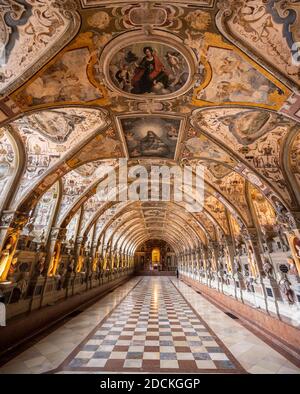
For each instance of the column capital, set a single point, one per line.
(215, 245)
(79, 240)
(58, 233)
(294, 220)
(252, 235)
(13, 219)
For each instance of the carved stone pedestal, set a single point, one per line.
(259, 292)
(272, 289)
(69, 283)
(53, 290)
(7, 289)
(36, 290)
(239, 285)
(95, 280)
(79, 283)
(295, 285)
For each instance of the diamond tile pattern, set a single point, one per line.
(153, 329)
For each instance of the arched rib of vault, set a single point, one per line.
(116, 243)
(214, 223)
(186, 218)
(124, 228)
(139, 238)
(130, 243)
(179, 227)
(159, 233)
(144, 237)
(172, 230)
(124, 210)
(97, 215)
(19, 162)
(255, 215)
(242, 160)
(108, 217)
(217, 210)
(90, 192)
(197, 228)
(184, 213)
(83, 199)
(112, 220)
(82, 179)
(122, 225)
(154, 230)
(52, 150)
(78, 205)
(222, 184)
(139, 227)
(65, 164)
(286, 156)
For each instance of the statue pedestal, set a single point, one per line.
(94, 279)
(37, 290)
(229, 286)
(53, 290)
(70, 283)
(295, 285)
(239, 284)
(7, 288)
(272, 289)
(239, 281)
(259, 292)
(79, 283)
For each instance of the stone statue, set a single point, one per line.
(237, 265)
(5, 257)
(22, 284)
(249, 284)
(292, 265)
(71, 266)
(268, 268)
(285, 288)
(283, 217)
(251, 261)
(29, 227)
(282, 238)
(41, 266)
(42, 236)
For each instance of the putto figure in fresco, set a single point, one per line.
(150, 74)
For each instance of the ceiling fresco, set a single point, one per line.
(84, 83)
(151, 136)
(148, 68)
(269, 28)
(32, 32)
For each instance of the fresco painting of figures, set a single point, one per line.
(151, 137)
(149, 67)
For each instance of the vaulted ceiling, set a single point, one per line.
(75, 98)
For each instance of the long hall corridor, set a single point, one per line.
(151, 324)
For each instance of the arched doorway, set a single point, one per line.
(155, 258)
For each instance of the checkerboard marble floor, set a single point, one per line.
(153, 329)
(153, 325)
